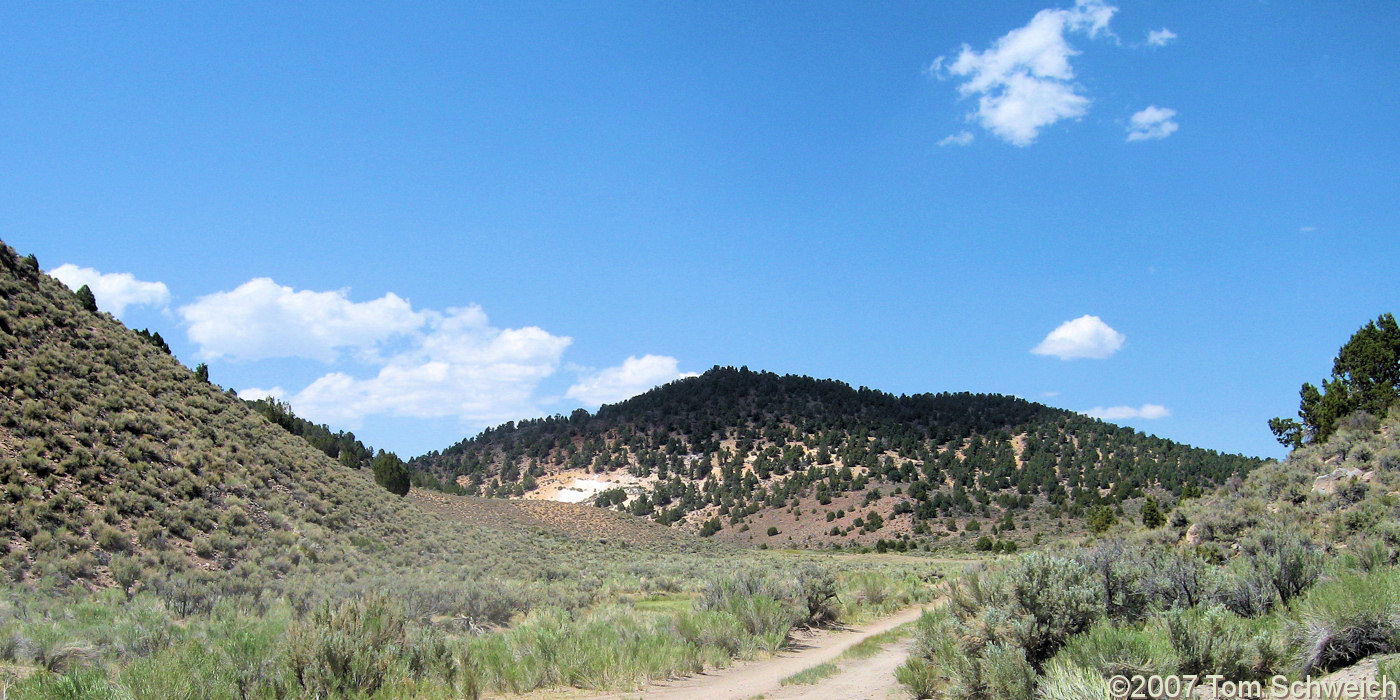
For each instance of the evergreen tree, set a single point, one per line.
(154, 339)
(391, 473)
(1152, 517)
(347, 458)
(86, 298)
(1365, 377)
(1101, 519)
(202, 372)
(159, 342)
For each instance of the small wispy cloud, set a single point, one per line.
(1152, 124)
(1086, 337)
(1307, 229)
(1160, 37)
(114, 291)
(961, 138)
(1147, 411)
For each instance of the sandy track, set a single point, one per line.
(871, 678)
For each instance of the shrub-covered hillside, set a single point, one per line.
(727, 451)
(121, 467)
(1344, 492)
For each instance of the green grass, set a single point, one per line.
(872, 645)
(1389, 668)
(665, 603)
(813, 675)
(1344, 620)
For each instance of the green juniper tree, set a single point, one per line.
(391, 473)
(1152, 517)
(86, 298)
(154, 339)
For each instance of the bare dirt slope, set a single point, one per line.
(868, 678)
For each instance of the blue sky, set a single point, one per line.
(416, 222)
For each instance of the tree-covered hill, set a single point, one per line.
(726, 450)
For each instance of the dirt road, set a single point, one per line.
(858, 679)
(864, 679)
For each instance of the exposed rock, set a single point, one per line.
(1327, 483)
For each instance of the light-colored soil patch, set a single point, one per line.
(579, 485)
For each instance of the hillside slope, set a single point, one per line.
(741, 454)
(119, 466)
(1343, 493)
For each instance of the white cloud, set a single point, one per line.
(1160, 37)
(1147, 411)
(1024, 81)
(460, 366)
(1152, 124)
(114, 291)
(634, 376)
(406, 363)
(262, 319)
(961, 138)
(1084, 337)
(254, 393)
